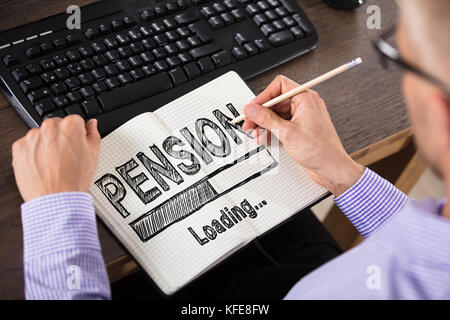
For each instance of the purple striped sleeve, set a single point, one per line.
(62, 255)
(370, 202)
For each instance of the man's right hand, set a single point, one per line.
(304, 127)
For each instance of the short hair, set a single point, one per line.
(428, 30)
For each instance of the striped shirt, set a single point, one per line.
(406, 254)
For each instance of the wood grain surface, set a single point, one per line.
(366, 106)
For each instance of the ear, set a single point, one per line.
(441, 105)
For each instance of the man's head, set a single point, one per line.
(423, 38)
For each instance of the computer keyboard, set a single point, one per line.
(135, 56)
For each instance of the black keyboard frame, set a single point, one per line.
(108, 10)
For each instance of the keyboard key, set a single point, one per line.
(75, 68)
(19, 74)
(33, 69)
(158, 27)
(30, 84)
(297, 32)
(227, 18)
(74, 109)
(59, 88)
(11, 59)
(100, 60)
(194, 41)
(48, 77)
(146, 31)
(160, 10)
(202, 31)
(267, 29)
(136, 47)
(271, 15)
(192, 70)
(280, 38)
(117, 25)
(125, 78)
(91, 107)
(238, 15)
(122, 39)
(262, 45)
(171, 7)
(239, 53)
(44, 107)
(149, 70)
(123, 65)
(60, 60)
(73, 55)
(161, 65)
(173, 62)
(159, 53)
(125, 52)
(38, 94)
(85, 79)
(172, 36)
(221, 59)
(59, 44)
(99, 87)
(112, 82)
(134, 35)
(110, 43)
(112, 55)
(160, 39)
(205, 50)
(147, 57)
(72, 83)
(252, 9)
(169, 23)
(87, 92)
(240, 39)
(219, 7)
(55, 114)
(251, 49)
(33, 52)
(98, 74)
(87, 64)
(279, 25)
(186, 17)
(207, 12)
(129, 21)
(86, 51)
(263, 5)
(288, 21)
(171, 49)
(105, 28)
(184, 57)
(98, 47)
(60, 102)
(135, 92)
(72, 40)
(216, 22)
(47, 64)
(135, 61)
(282, 12)
(148, 44)
(46, 47)
(74, 97)
(148, 15)
(205, 64)
(137, 74)
(111, 70)
(229, 4)
(183, 32)
(61, 73)
(182, 45)
(260, 19)
(303, 23)
(92, 33)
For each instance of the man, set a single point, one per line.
(407, 251)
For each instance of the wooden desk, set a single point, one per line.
(366, 106)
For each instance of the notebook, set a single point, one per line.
(182, 188)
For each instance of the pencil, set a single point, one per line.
(306, 86)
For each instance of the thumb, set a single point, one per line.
(263, 117)
(93, 136)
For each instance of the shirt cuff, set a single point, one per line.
(370, 202)
(59, 221)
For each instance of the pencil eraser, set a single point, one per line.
(358, 60)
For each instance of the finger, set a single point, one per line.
(264, 117)
(92, 133)
(279, 85)
(73, 125)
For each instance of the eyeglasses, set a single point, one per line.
(390, 53)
